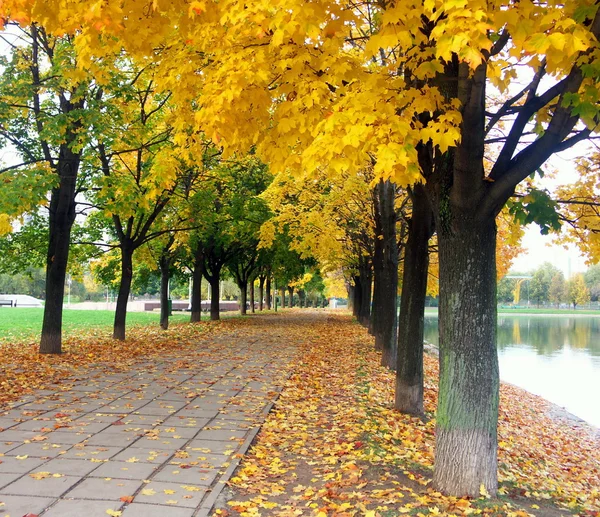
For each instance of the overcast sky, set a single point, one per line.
(539, 249)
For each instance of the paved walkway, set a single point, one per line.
(157, 441)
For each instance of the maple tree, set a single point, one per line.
(44, 116)
(138, 170)
(577, 292)
(229, 213)
(556, 292)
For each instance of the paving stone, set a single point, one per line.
(150, 510)
(47, 487)
(6, 423)
(104, 489)
(33, 425)
(221, 435)
(84, 427)
(158, 492)
(15, 435)
(199, 413)
(18, 505)
(167, 431)
(145, 455)
(62, 437)
(5, 448)
(7, 479)
(193, 476)
(91, 452)
(215, 447)
(82, 508)
(179, 420)
(163, 442)
(68, 466)
(38, 450)
(203, 460)
(122, 406)
(112, 438)
(155, 411)
(125, 470)
(142, 420)
(12, 465)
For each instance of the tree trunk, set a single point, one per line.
(409, 373)
(261, 292)
(124, 290)
(268, 289)
(350, 289)
(196, 302)
(215, 295)
(302, 298)
(379, 272)
(467, 415)
(165, 265)
(252, 310)
(386, 334)
(282, 296)
(356, 305)
(62, 216)
(243, 297)
(291, 298)
(366, 281)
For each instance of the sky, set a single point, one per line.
(539, 249)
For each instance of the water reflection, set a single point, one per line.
(557, 357)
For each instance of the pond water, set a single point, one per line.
(556, 357)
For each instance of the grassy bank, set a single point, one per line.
(25, 324)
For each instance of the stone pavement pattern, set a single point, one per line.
(159, 440)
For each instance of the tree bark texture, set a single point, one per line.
(386, 329)
(196, 302)
(61, 219)
(366, 284)
(261, 292)
(243, 298)
(215, 296)
(467, 415)
(379, 272)
(124, 290)
(357, 293)
(409, 371)
(282, 296)
(350, 289)
(291, 297)
(165, 265)
(268, 292)
(252, 310)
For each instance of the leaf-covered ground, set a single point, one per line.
(333, 445)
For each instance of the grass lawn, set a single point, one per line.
(25, 324)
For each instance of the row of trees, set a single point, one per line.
(412, 99)
(100, 174)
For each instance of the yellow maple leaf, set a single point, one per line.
(148, 491)
(168, 491)
(39, 475)
(114, 513)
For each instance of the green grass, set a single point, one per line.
(25, 324)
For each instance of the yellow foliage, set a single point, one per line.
(5, 224)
